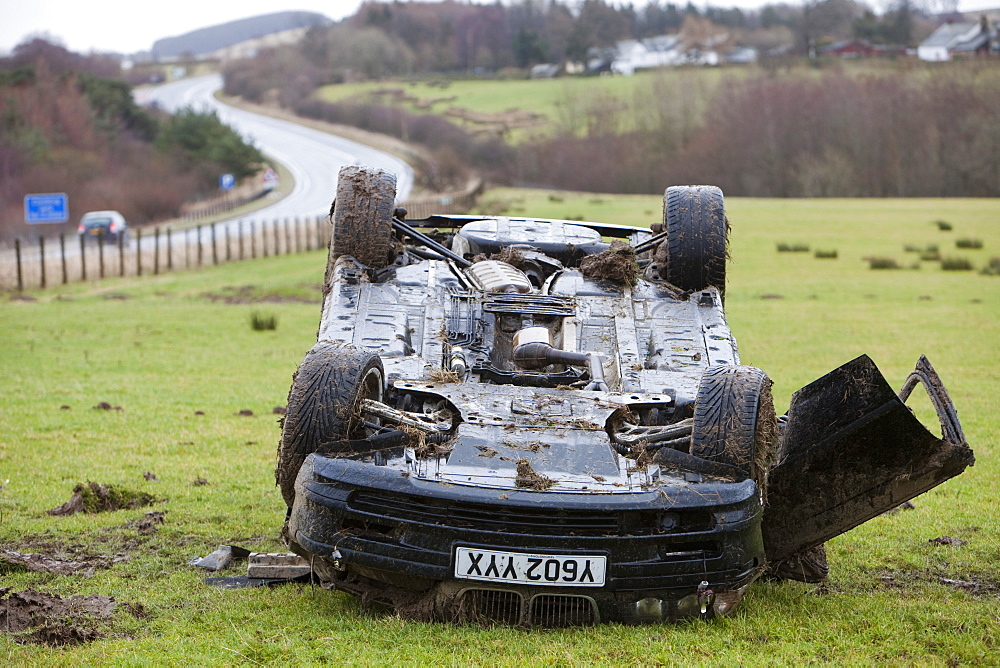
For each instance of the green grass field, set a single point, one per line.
(167, 348)
(563, 103)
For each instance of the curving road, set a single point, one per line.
(314, 158)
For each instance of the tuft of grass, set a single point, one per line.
(826, 254)
(992, 267)
(882, 263)
(793, 248)
(956, 264)
(261, 322)
(966, 242)
(943, 225)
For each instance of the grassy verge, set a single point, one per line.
(177, 353)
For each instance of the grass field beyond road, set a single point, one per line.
(177, 354)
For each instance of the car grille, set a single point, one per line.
(491, 606)
(522, 520)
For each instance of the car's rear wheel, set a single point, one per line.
(734, 420)
(693, 256)
(323, 405)
(362, 216)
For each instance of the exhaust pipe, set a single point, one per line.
(533, 349)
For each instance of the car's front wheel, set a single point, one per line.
(362, 216)
(323, 405)
(734, 419)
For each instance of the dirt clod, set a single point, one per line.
(198, 482)
(618, 263)
(947, 540)
(528, 478)
(279, 410)
(245, 412)
(64, 407)
(149, 475)
(105, 406)
(35, 617)
(93, 497)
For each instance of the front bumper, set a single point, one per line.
(676, 550)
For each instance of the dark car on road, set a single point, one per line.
(544, 422)
(108, 226)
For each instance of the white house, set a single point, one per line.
(952, 38)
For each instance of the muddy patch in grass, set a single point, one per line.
(977, 586)
(31, 616)
(253, 294)
(93, 497)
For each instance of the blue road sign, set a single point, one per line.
(46, 208)
(227, 181)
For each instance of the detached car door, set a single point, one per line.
(851, 450)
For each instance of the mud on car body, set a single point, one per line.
(511, 420)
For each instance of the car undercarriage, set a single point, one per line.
(518, 421)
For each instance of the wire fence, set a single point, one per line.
(43, 262)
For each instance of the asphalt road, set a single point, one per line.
(314, 158)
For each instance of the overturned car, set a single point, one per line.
(511, 420)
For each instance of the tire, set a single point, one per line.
(693, 256)
(362, 216)
(323, 405)
(734, 420)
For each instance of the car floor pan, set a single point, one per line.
(851, 450)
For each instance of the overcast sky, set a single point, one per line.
(127, 26)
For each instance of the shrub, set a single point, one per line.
(826, 254)
(262, 322)
(993, 267)
(793, 248)
(944, 225)
(930, 256)
(968, 243)
(956, 264)
(882, 263)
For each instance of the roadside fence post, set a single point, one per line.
(240, 231)
(83, 260)
(20, 276)
(156, 251)
(121, 257)
(62, 255)
(200, 249)
(263, 238)
(138, 252)
(229, 250)
(100, 255)
(215, 252)
(41, 257)
(170, 249)
(253, 240)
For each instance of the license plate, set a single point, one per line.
(554, 570)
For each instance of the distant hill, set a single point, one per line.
(214, 38)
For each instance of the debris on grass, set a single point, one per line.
(279, 410)
(93, 497)
(825, 254)
(617, 263)
(149, 523)
(222, 558)
(105, 406)
(31, 616)
(947, 540)
(245, 412)
(199, 482)
(149, 475)
(793, 248)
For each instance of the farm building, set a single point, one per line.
(959, 38)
